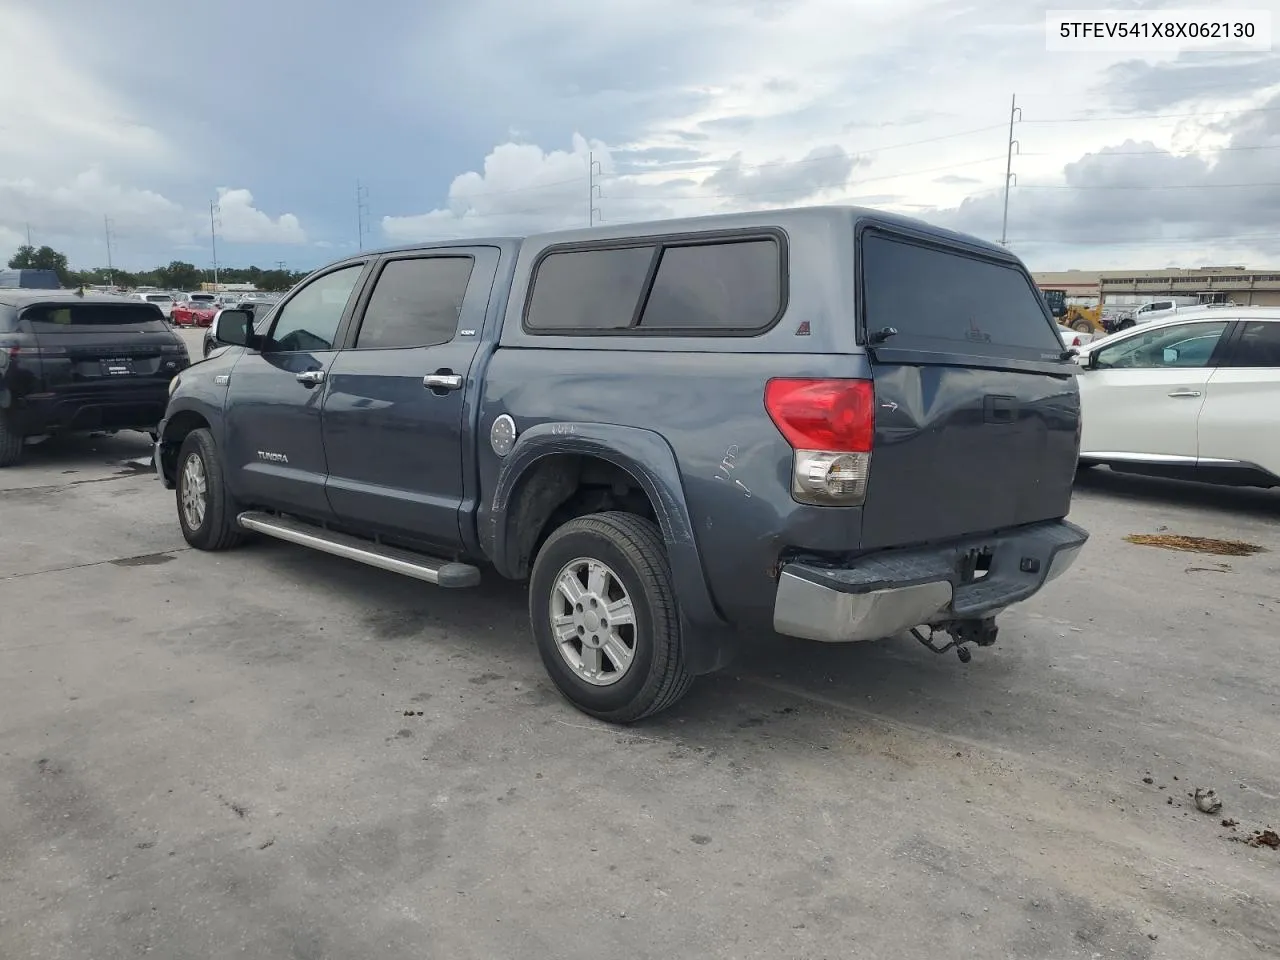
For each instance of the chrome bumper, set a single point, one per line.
(885, 593)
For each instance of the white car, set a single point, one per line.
(162, 300)
(1195, 396)
(1073, 338)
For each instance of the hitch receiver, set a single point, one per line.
(962, 632)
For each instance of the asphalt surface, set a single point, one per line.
(277, 754)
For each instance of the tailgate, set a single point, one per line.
(977, 410)
(92, 345)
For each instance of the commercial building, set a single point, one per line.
(1125, 288)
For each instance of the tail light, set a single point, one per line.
(830, 425)
(19, 346)
(1076, 342)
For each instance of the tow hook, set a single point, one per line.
(962, 632)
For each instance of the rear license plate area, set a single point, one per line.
(116, 367)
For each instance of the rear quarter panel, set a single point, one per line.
(705, 397)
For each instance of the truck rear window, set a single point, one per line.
(88, 316)
(943, 301)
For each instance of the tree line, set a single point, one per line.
(178, 275)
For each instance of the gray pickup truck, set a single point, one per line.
(827, 422)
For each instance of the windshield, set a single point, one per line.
(159, 298)
(70, 319)
(202, 297)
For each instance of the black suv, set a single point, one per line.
(829, 422)
(72, 362)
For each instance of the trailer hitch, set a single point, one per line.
(962, 632)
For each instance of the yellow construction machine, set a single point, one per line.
(1082, 319)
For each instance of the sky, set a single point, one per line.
(460, 118)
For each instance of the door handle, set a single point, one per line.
(443, 381)
(1184, 393)
(309, 378)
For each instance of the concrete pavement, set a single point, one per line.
(273, 753)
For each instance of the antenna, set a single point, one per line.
(362, 211)
(593, 189)
(1015, 113)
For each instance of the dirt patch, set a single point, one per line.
(1218, 548)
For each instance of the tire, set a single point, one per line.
(634, 560)
(10, 442)
(217, 529)
(1124, 325)
(1082, 326)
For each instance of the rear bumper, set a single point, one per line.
(887, 592)
(123, 409)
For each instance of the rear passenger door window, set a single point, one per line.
(1258, 345)
(415, 303)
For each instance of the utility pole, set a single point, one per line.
(213, 239)
(280, 265)
(28, 234)
(362, 211)
(1015, 113)
(106, 229)
(593, 189)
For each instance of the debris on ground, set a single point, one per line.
(1171, 541)
(1230, 824)
(1265, 838)
(1148, 780)
(1207, 800)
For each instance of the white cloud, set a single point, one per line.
(56, 118)
(242, 222)
(522, 189)
(144, 224)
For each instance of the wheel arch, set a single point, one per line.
(177, 426)
(545, 471)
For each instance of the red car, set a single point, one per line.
(193, 313)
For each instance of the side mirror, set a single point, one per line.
(233, 327)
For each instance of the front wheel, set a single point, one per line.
(205, 510)
(603, 611)
(1082, 326)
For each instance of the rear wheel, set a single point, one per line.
(603, 612)
(1081, 326)
(10, 442)
(205, 510)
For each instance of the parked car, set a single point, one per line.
(194, 313)
(1154, 310)
(72, 363)
(1073, 338)
(1196, 397)
(162, 300)
(201, 297)
(672, 430)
